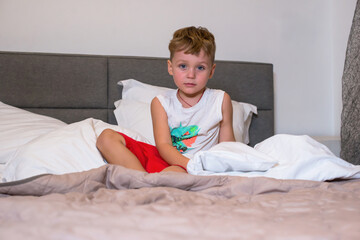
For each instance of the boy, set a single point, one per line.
(186, 120)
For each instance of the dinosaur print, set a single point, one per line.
(180, 137)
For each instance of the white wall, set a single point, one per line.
(305, 40)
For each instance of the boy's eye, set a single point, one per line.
(201, 68)
(182, 66)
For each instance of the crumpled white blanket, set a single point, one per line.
(72, 148)
(281, 156)
(68, 149)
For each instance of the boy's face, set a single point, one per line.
(191, 72)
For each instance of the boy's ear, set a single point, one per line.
(212, 71)
(170, 69)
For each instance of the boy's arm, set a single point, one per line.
(226, 125)
(162, 136)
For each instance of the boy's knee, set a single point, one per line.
(107, 138)
(104, 138)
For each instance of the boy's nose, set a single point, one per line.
(191, 73)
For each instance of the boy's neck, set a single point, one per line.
(185, 103)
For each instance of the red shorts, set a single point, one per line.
(147, 154)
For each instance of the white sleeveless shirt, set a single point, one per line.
(195, 128)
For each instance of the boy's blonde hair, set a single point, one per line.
(192, 40)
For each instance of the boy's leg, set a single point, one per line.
(174, 169)
(113, 148)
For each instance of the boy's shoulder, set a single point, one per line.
(215, 92)
(168, 93)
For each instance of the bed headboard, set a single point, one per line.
(74, 87)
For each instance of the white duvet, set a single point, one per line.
(71, 148)
(281, 156)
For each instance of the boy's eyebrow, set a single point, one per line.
(204, 63)
(182, 60)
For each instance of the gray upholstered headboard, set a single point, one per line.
(74, 87)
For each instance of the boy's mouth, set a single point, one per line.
(190, 84)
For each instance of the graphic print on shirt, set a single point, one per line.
(183, 137)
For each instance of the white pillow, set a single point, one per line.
(71, 148)
(138, 91)
(133, 110)
(242, 116)
(18, 127)
(135, 115)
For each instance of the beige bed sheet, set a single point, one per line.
(112, 202)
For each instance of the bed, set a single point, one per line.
(55, 184)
